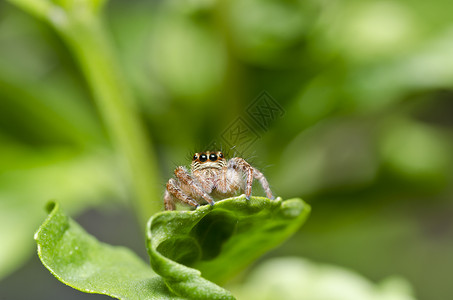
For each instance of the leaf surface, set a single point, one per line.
(79, 260)
(189, 249)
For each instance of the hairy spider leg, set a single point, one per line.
(168, 200)
(260, 177)
(250, 172)
(175, 191)
(240, 164)
(186, 179)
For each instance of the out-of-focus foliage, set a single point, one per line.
(300, 278)
(366, 138)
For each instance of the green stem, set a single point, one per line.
(82, 28)
(89, 41)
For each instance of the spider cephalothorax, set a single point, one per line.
(212, 176)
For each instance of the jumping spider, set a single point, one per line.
(211, 175)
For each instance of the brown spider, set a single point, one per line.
(211, 175)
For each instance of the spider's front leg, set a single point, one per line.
(186, 179)
(250, 172)
(173, 190)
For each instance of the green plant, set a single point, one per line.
(81, 26)
(219, 241)
(366, 133)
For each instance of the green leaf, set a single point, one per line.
(51, 173)
(217, 242)
(82, 262)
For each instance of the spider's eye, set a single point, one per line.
(194, 157)
(212, 157)
(220, 154)
(203, 157)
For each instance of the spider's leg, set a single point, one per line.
(250, 172)
(240, 164)
(260, 177)
(174, 190)
(168, 201)
(186, 179)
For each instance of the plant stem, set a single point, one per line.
(88, 39)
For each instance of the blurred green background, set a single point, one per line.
(365, 133)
